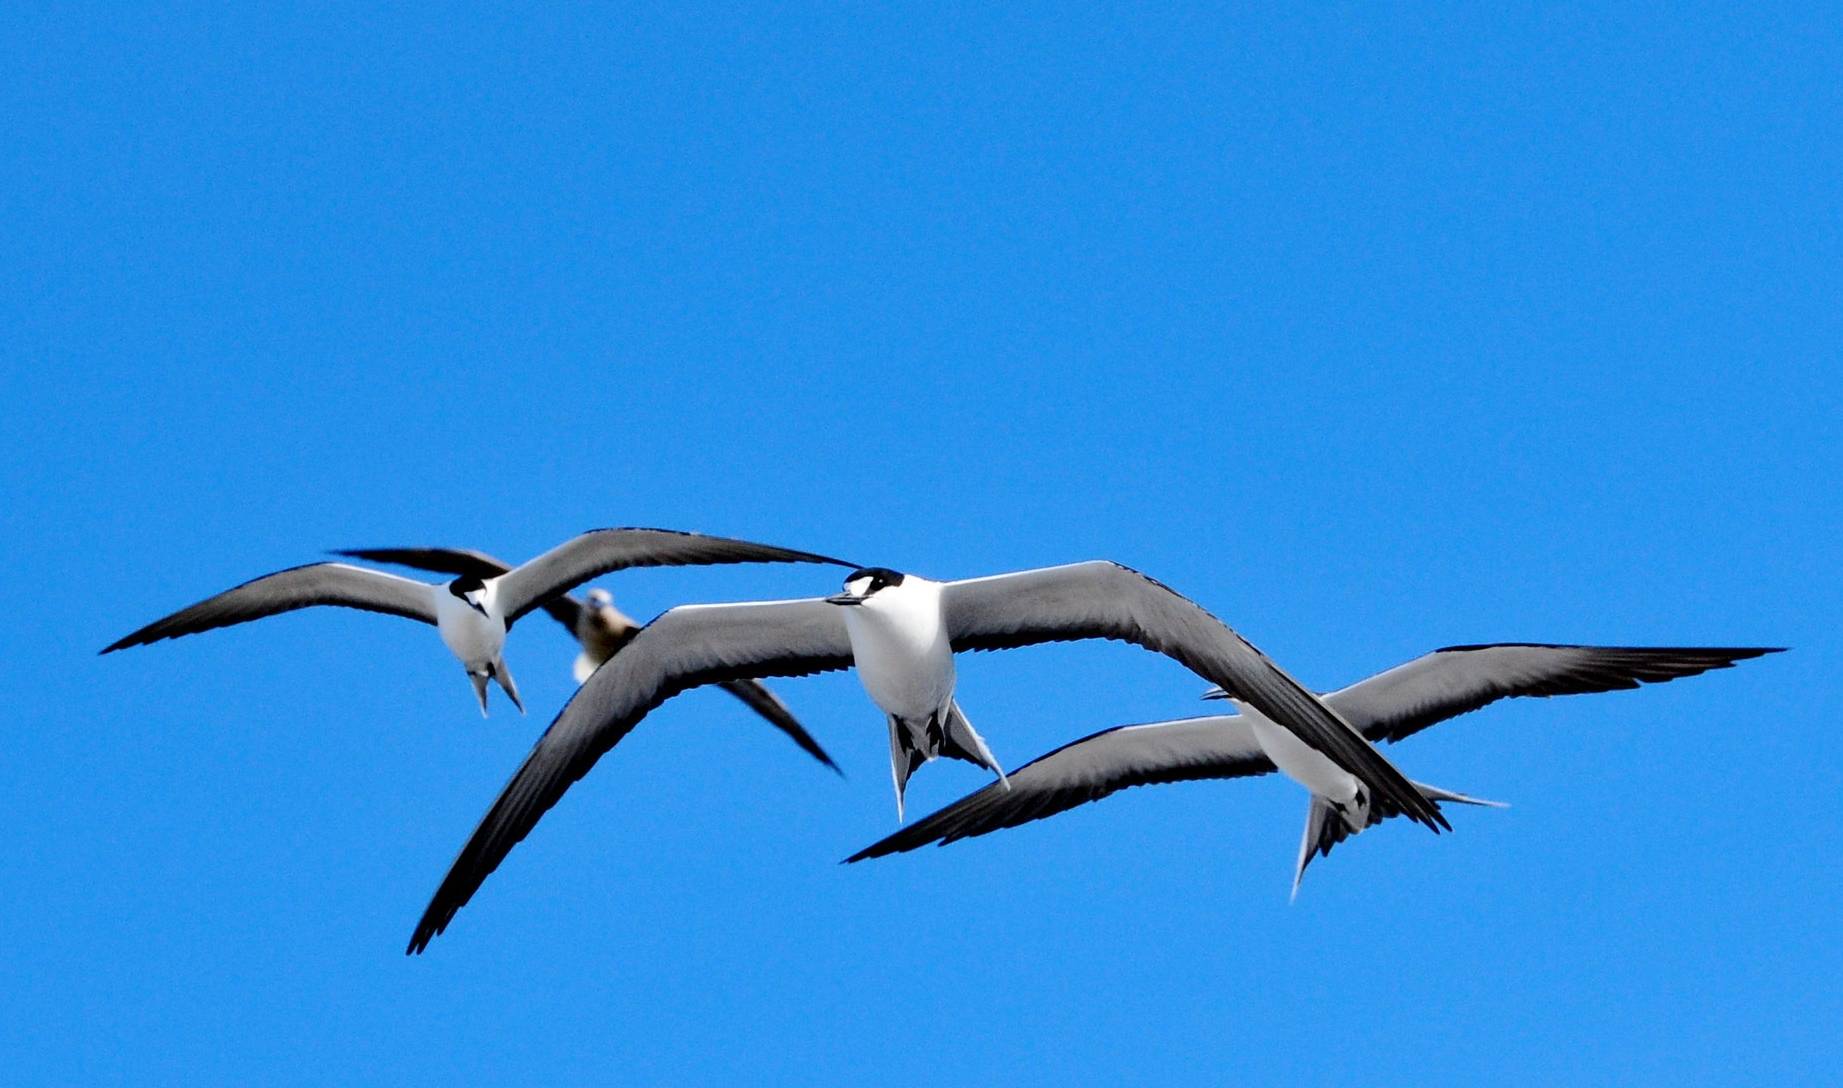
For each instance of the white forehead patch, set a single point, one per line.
(857, 587)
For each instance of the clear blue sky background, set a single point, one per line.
(1375, 329)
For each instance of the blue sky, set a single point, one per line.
(1374, 329)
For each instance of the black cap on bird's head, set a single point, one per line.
(860, 584)
(467, 584)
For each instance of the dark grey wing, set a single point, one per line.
(769, 705)
(1460, 679)
(461, 562)
(599, 551)
(1105, 600)
(284, 591)
(1088, 770)
(685, 648)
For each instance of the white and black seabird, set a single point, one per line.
(598, 626)
(901, 631)
(1386, 707)
(472, 613)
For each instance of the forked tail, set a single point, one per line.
(1325, 825)
(954, 737)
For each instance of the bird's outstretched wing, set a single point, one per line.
(684, 648)
(1105, 600)
(1460, 679)
(336, 584)
(600, 551)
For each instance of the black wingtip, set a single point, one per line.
(1439, 822)
(879, 849)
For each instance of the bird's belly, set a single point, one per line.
(470, 636)
(598, 647)
(905, 674)
(1301, 762)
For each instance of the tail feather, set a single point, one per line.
(961, 741)
(904, 758)
(952, 736)
(502, 674)
(478, 680)
(1326, 826)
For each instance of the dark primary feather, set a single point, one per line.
(684, 648)
(758, 698)
(462, 562)
(600, 551)
(1106, 600)
(337, 584)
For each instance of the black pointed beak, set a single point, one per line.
(845, 599)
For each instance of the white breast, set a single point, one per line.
(473, 638)
(903, 657)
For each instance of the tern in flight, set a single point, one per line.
(471, 612)
(598, 626)
(901, 631)
(1386, 707)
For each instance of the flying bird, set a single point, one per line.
(598, 626)
(1386, 707)
(901, 631)
(471, 612)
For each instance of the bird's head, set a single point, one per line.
(863, 585)
(470, 590)
(600, 598)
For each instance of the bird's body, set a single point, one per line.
(1304, 765)
(901, 651)
(471, 627)
(601, 629)
(468, 616)
(904, 659)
